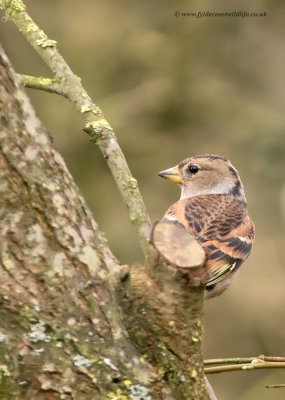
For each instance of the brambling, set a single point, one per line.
(213, 207)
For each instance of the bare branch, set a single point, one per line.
(243, 360)
(95, 123)
(255, 364)
(42, 83)
(280, 385)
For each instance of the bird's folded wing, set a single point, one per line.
(221, 273)
(226, 255)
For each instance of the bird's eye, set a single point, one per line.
(193, 169)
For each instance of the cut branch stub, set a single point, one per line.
(180, 249)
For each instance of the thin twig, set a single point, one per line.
(280, 385)
(98, 128)
(42, 83)
(244, 367)
(243, 360)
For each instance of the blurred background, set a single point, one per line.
(171, 87)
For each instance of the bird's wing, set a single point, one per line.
(221, 224)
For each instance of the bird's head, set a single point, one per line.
(205, 174)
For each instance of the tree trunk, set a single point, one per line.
(76, 325)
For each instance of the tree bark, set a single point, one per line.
(74, 323)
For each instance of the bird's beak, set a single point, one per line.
(172, 174)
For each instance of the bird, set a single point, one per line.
(213, 208)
